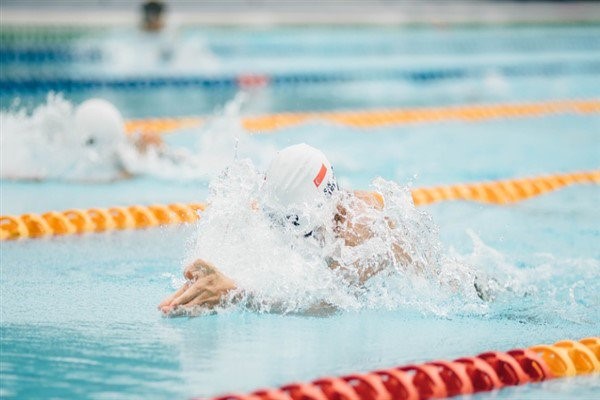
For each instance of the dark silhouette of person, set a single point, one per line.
(153, 15)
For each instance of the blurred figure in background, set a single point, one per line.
(84, 143)
(153, 23)
(153, 16)
(157, 46)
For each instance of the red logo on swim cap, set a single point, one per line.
(320, 176)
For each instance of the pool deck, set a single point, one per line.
(309, 12)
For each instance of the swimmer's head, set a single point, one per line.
(99, 124)
(300, 181)
(152, 15)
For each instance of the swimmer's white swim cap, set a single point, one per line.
(99, 123)
(300, 176)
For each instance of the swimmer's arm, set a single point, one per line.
(206, 287)
(358, 230)
(145, 140)
(365, 273)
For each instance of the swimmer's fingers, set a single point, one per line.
(172, 297)
(206, 300)
(191, 293)
(176, 312)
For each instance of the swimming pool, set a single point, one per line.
(79, 316)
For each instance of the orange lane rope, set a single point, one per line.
(505, 191)
(138, 217)
(162, 125)
(96, 220)
(378, 118)
(440, 379)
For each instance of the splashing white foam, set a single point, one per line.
(219, 142)
(45, 145)
(276, 268)
(223, 140)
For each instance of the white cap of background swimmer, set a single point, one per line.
(300, 176)
(99, 123)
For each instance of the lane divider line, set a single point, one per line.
(78, 221)
(365, 119)
(504, 191)
(50, 82)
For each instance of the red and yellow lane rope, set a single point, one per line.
(75, 221)
(440, 379)
(378, 118)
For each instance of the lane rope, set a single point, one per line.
(21, 83)
(504, 191)
(364, 119)
(440, 379)
(77, 221)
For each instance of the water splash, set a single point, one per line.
(44, 145)
(543, 288)
(218, 143)
(279, 269)
(224, 140)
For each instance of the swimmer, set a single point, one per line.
(85, 144)
(153, 16)
(301, 185)
(101, 127)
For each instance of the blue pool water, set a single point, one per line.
(79, 316)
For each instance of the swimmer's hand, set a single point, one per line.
(205, 288)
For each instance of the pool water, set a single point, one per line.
(79, 317)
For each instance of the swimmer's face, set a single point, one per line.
(91, 141)
(301, 220)
(153, 16)
(153, 25)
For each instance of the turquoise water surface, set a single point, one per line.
(79, 317)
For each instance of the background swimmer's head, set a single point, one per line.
(99, 125)
(152, 15)
(298, 182)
